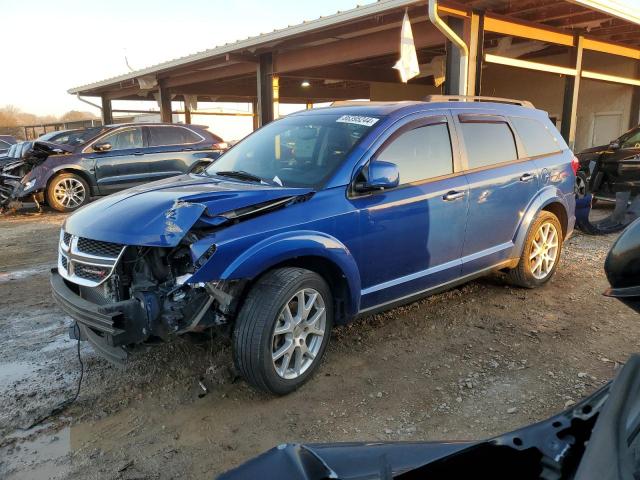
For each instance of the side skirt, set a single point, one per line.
(432, 290)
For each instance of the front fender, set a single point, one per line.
(280, 248)
(43, 173)
(546, 196)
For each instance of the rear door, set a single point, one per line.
(172, 150)
(122, 166)
(501, 185)
(412, 235)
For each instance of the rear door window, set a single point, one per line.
(165, 136)
(487, 142)
(535, 136)
(421, 153)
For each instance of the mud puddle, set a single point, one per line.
(37, 454)
(26, 273)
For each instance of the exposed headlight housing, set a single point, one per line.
(28, 185)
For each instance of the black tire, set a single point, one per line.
(80, 189)
(582, 184)
(253, 334)
(522, 274)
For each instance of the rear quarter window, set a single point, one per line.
(165, 136)
(488, 143)
(535, 136)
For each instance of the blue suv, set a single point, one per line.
(316, 219)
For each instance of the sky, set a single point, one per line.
(54, 46)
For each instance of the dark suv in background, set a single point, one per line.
(5, 143)
(608, 169)
(113, 158)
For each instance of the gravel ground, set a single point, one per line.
(470, 363)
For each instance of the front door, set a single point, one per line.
(501, 186)
(412, 235)
(123, 165)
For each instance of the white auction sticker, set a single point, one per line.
(358, 120)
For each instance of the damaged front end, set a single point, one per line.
(602, 181)
(19, 180)
(123, 295)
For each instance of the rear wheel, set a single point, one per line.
(541, 252)
(67, 192)
(283, 329)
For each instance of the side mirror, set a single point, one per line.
(615, 145)
(102, 147)
(380, 176)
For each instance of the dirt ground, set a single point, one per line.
(470, 363)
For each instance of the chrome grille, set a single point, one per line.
(96, 247)
(87, 262)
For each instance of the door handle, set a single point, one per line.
(138, 153)
(452, 195)
(527, 177)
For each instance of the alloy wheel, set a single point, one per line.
(544, 251)
(69, 192)
(298, 333)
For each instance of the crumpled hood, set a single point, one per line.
(160, 213)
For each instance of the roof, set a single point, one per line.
(613, 8)
(251, 42)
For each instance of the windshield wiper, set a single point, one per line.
(242, 175)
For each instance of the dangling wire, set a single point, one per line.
(66, 403)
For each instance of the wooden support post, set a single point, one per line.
(452, 74)
(107, 114)
(571, 95)
(265, 89)
(476, 54)
(187, 111)
(255, 111)
(275, 85)
(634, 118)
(166, 114)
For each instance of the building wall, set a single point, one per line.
(600, 103)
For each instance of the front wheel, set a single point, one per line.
(541, 252)
(67, 192)
(283, 329)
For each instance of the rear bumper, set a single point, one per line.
(103, 326)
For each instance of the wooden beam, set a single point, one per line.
(532, 32)
(612, 48)
(353, 73)
(541, 67)
(233, 70)
(357, 48)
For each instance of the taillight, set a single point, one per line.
(575, 165)
(220, 146)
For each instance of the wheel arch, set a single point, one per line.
(551, 200)
(86, 176)
(335, 278)
(315, 251)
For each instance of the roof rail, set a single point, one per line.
(469, 98)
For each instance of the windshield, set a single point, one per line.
(298, 151)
